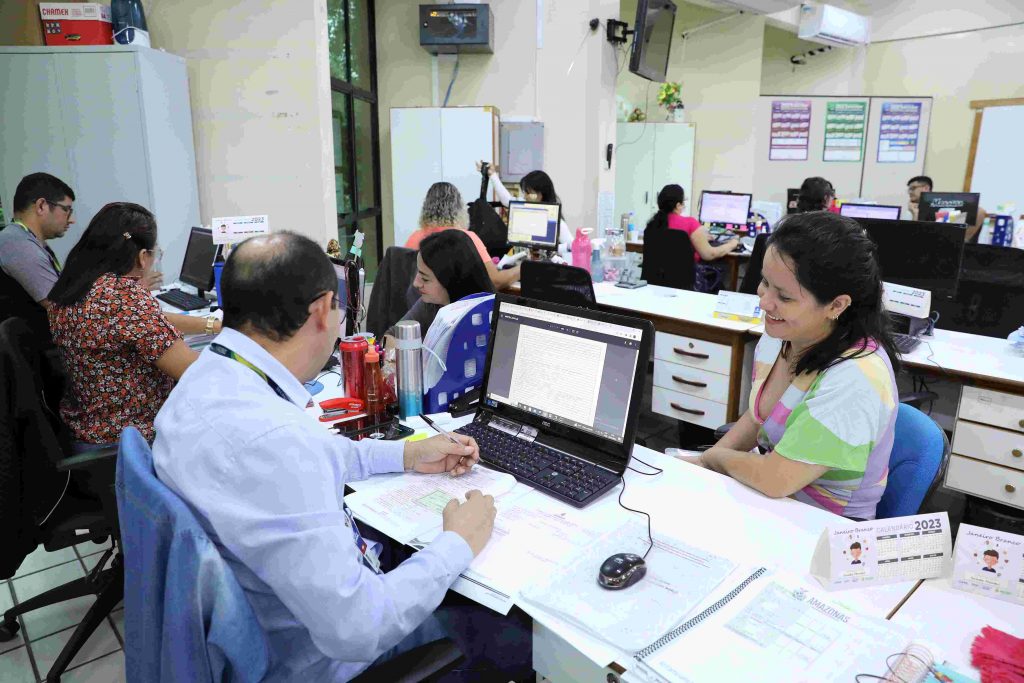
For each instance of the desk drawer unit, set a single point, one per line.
(695, 353)
(997, 446)
(692, 381)
(688, 408)
(1001, 484)
(995, 408)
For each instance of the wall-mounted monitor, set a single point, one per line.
(652, 38)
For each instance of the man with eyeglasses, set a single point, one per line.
(43, 210)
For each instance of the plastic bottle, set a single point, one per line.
(129, 22)
(353, 349)
(630, 229)
(581, 249)
(596, 267)
(376, 403)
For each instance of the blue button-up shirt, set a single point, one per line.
(266, 481)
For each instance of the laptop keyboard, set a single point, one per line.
(570, 479)
(904, 343)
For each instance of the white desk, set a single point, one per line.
(987, 361)
(951, 619)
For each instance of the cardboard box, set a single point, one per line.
(78, 23)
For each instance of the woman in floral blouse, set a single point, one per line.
(122, 354)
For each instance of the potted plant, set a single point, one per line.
(668, 97)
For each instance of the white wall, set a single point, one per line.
(258, 78)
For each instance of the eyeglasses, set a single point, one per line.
(67, 207)
(335, 303)
(157, 253)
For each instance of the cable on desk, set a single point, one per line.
(657, 470)
(331, 372)
(650, 537)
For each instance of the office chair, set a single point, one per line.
(390, 296)
(466, 356)
(752, 278)
(920, 453)
(557, 283)
(668, 259)
(49, 498)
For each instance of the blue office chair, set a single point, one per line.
(919, 457)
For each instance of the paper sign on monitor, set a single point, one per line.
(235, 229)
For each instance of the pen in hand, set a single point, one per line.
(446, 435)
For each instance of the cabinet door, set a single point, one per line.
(673, 159)
(31, 128)
(467, 136)
(634, 187)
(103, 126)
(415, 164)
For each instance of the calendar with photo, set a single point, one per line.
(988, 562)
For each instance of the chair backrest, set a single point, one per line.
(752, 278)
(920, 452)
(466, 357)
(389, 298)
(557, 283)
(668, 259)
(185, 614)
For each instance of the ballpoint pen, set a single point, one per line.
(445, 434)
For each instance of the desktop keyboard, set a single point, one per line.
(183, 300)
(574, 481)
(905, 343)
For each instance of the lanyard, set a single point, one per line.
(53, 257)
(228, 353)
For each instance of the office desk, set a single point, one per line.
(951, 619)
(732, 262)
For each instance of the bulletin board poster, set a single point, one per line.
(900, 126)
(845, 123)
(791, 130)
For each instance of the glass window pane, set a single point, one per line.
(367, 189)
(359, 29)
(336, 38)
(342, 153)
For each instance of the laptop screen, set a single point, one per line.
(533, 224)
(569, 369)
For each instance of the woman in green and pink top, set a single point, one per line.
(823, 401)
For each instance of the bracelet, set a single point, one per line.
(211, 320)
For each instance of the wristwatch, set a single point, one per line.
(211, 320)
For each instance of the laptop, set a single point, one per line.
(560, 399)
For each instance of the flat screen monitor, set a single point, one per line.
(886, 212)
(197, 268)
(652, 39)
(933, 204)
(792, 199)
(724, 208)
(533, 224)
(919, 254)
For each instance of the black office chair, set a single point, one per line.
(752, 278)
(390, 297)
(49, 498)
(668, 259)
(557, 283)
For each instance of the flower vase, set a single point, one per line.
(678, 115)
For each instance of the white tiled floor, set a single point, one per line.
(101, 659)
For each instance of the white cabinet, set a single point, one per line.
(431, 144)
(987, 460)
(650, 156)
(114, 122)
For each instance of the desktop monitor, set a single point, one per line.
(724, 208)
(533, 224)
(932, 203)
(919, 254)
(882, 211)
(197, 268)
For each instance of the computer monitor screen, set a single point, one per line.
(724, 208)
(571, 369)
(652, 39)
(792, 199)
(533, 224)
(197, 269)
(937, 206)
(918, 254)
(891, 213)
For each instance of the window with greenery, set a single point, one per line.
(353, 52)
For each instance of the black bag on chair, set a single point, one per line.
(485, 221)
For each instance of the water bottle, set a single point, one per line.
(630, 229)
(129, 22)
(596, 267)
(581, 249)
(376, 403)
(410, 368)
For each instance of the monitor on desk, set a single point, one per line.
(724, 208)
(533, 224)
(882, 211)
(197, 268)
(934, 205)
(918, 254)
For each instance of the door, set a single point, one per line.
(467, 136)
(634, 170)
(673, 161)
(415, 164)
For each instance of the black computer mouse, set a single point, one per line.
(621, 570)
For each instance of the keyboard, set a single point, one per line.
(905, 343)
(183, 300)
(569, 479)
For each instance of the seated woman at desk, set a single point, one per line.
(823, 399)
(536, 186)
(121, 353)
(446, 270)
(671, 216)
(816, 194)
(443, 209)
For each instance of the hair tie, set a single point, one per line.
(127, 235)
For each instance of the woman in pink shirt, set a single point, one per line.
(671, 204)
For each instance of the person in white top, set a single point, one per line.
(536, 187)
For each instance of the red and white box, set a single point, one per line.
(76, 23)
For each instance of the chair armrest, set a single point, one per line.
(101, 457)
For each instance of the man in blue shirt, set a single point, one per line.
(266, 480)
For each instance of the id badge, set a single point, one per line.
(369, 551)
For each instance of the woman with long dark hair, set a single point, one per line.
(121, 353)
(535, 186)
(823, 400)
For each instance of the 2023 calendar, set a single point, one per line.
(988, 562)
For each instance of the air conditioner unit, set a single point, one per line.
(749, 6)
(832, 26)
